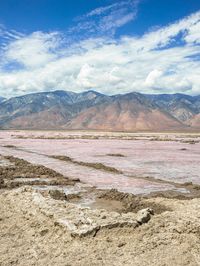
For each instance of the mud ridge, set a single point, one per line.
(33, 174)
(97, 166)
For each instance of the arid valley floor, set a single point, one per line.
(99, 198)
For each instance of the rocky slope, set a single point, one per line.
(92, 110)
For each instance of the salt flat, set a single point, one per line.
(142, 159)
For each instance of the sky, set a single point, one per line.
(147, 46)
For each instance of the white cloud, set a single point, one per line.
(153, 77)
(100, 10)
(34, 50)
(152, 63)
(83, 78)
(116, 6)
(107, 19)
(9, 34)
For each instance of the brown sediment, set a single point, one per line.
(162, 139)
(97, 166)
(192, 186)
(115, 155)
(60, 195)
(21, 169)
(132, 203)
(190, 141)
(10, 146)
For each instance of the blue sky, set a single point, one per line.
(150, 46)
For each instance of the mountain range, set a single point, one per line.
(93, 110)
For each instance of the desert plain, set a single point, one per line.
(99, 198)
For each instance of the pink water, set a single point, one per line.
(143, 158)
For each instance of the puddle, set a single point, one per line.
(95, 203)
(86, 198)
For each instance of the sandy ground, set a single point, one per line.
(29, 235)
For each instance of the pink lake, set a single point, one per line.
(172, 160)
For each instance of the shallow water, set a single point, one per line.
(164, 160)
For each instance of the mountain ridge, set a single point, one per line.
(93, 110)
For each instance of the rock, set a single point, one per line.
(44, 232)
(76, 179)
(121, 244)
(143, 216)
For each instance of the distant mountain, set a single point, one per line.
(93, 110)
(181, 106)
(46, 109)
(128, 112)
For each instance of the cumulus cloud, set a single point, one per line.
(153, 63)
(83, 77)
(153, 77)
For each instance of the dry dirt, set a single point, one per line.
(48, 227)
(33, 233)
